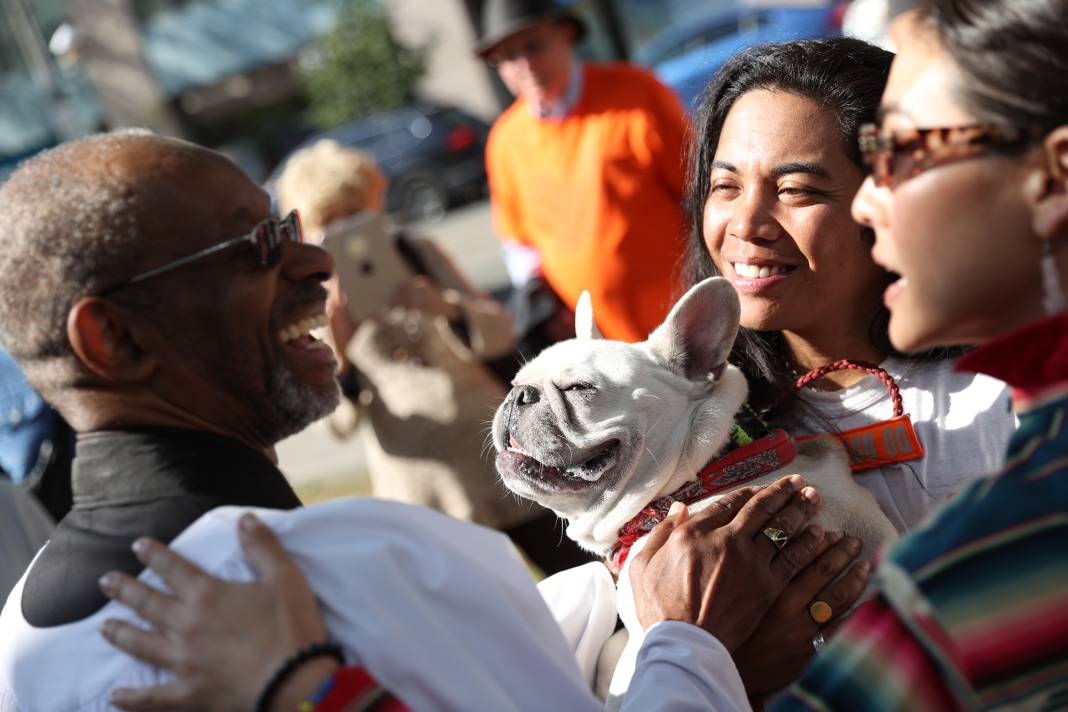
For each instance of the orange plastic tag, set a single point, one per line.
(878, 444)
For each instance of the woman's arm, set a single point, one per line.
(224, 641)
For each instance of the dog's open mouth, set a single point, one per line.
(516, 462)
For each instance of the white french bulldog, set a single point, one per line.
(596, 430)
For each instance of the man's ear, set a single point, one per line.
(698, 334)
(103, 336)
(1046, 188)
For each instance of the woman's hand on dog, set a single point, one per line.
(774, 656)
(717, 569)
(222, 640)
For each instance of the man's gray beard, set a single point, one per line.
(296, 405)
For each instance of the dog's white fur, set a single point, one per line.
(595, 430)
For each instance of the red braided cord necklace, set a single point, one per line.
(846, 364)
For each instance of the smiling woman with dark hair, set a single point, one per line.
(773, 168)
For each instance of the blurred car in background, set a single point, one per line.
(685, 57)
(433, 157)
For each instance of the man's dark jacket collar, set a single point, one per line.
(150, 482)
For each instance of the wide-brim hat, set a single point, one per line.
(503, 18)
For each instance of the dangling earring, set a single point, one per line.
(1052, 295)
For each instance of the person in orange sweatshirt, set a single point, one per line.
(585, 169)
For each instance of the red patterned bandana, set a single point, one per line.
(737, 467)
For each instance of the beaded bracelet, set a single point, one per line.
(315, 650)
(325, 688)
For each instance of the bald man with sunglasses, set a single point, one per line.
(149, 295)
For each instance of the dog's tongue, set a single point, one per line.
(512, 442)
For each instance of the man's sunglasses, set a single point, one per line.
(267, 238)
(894, 159)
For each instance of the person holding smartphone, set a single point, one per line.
(425, 369)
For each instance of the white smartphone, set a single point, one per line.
(369, 266)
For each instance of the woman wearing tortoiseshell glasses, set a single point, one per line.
(969, 202)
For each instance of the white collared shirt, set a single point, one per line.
(442, 612)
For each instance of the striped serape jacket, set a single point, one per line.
(972, 608)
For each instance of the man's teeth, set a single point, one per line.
(758, 271)
(302, 327)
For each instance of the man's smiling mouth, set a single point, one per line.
(299, 333)
(306, 351)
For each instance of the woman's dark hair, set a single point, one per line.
(843, 74)
(1012, 58)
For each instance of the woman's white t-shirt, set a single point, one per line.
(963, 421)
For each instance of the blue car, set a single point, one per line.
(687, 56)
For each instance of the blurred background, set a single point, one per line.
(257, 79)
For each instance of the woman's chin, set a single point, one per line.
(760, 315)
(910, 335)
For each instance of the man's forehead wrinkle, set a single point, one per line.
(184, 197)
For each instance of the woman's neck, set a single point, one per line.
(807, 353)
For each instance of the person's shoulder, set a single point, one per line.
(943, 370)
(81, 667)
(354, 523)
(626, 79)
(509, 120)
(622, 72)
(957, 394)
(987, 524)
(507, 129)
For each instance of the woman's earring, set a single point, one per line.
(1052, 294)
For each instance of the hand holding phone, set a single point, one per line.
(370, 269)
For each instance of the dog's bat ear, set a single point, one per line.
(697, 336)
(585, 326)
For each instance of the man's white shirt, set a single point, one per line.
(441, 612)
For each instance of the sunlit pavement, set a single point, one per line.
(316, 463)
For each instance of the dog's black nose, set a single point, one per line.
(526, 395)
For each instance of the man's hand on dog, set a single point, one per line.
(717, 569)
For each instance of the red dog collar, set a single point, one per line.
(739, 466)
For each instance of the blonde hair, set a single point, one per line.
(328, 181)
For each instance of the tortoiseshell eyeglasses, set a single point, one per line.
(893, 159)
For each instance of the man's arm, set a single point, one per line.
(682, 667)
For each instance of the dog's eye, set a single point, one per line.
(577, 387)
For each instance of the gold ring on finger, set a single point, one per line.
(820, 611)
(777, 536)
